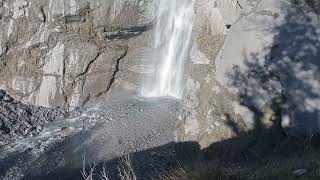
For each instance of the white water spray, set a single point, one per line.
(171, 43)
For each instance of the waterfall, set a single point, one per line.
(171, 45)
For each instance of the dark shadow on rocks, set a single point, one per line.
(55, 155)
(287, 78)
(128, 33)
(21, 120)
(147, 164)
(222, 160)
(314, 5)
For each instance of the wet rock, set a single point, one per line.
(299, 172)
(39, 128)
(3, 128)
(64, 129)
(20, 120)
(2, 94)
(7, 98)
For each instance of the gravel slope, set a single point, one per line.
(104, 133)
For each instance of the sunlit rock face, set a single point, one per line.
(64, 52)
(208, 106)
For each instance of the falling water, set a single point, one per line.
(171, 43)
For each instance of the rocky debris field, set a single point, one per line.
(19, 120)
(101, 134)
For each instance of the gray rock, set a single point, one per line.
(66, 52)
(207, 105)
(299, 172)
(234, 80)
(20, 120)
(2, 92)
(7, 98)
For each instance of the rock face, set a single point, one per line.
(63, 52)
(20, 120)
(208, 107)
(252, 64)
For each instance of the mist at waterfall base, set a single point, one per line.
(171, 47)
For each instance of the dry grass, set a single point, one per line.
(104, 173)
(196, 171)
(125, 170)
(88, 174)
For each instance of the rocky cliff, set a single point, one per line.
(208, 107)
(62, 53)
(251, 63)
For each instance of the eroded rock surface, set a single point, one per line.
(20, 120)
(62, 53)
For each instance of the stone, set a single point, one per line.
(7, 98)
(299, 172)
(64, 129)
(2, 92)
(152, 153)
(20, 120)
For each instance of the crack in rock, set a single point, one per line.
(115, 72)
